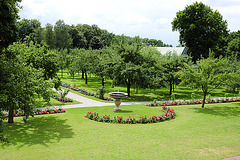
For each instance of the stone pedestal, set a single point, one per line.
(117, 103)
(117, 96)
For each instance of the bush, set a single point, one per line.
(101, 91)
(65, 84)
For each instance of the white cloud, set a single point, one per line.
(146, 18)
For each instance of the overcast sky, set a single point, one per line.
(144, 18)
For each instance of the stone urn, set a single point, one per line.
(118, 96)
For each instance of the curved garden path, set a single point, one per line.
(87, 102)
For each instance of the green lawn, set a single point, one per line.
(181, 92)
(40, 102)
(209, 133)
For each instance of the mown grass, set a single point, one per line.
(40, 102)
(181, 92)
(196, 133)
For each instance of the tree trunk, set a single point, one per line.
(173, 86)
(85, 77)
(102, 81)
(204, 98)
(170, 88)
(10, 114)
(128, 89)
(82, 74)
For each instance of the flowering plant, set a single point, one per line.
(39, 111)
(169, 113)
(65, 99)
(64, 92)
(193, 101)
(101, 91)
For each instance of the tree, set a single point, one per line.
(39, 57)
(106, 38)
(49, 36)
(84, 60)
(102, 63)
(154, 73)
(233, 49)
(21, 80)
(200, 29)
(95, 43)
(9, 15)
(26, 27)
(62, 59)
(63, 39)
(8, 33)
(170, 66)
(79, 41)
(207, 75)
(37, 35)
(129, 70)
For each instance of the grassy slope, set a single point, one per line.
(181, 92)
(210, 133)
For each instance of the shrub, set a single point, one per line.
(101, 91)
(65, 84)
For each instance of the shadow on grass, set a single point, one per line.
(39, 130)
(224, 111)
(123, 111)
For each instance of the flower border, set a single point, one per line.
(46, 110)
(191, 102)
(169, 113)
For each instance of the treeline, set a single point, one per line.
(125, 63)
(63, 36)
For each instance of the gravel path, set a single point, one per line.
(86, 102)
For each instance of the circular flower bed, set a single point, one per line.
(169, 113)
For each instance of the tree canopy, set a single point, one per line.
(9, 15)
(208, 74)
(200, 29)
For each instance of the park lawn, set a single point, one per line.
(181, 92)
(196, 133)
(40, 102)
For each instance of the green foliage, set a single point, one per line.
(39, 57)
(49, 36)
(24, 74)
(170, 65)
(2, 138)
(63, 92)
(103, 63)
(207, 75)
(9, 15)
(63, 39)
(155, 43)
(233, 49)
(78, 39)
(26, 27)
(200, 28)
(129, 68)
(101, 91)
(95, 43)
